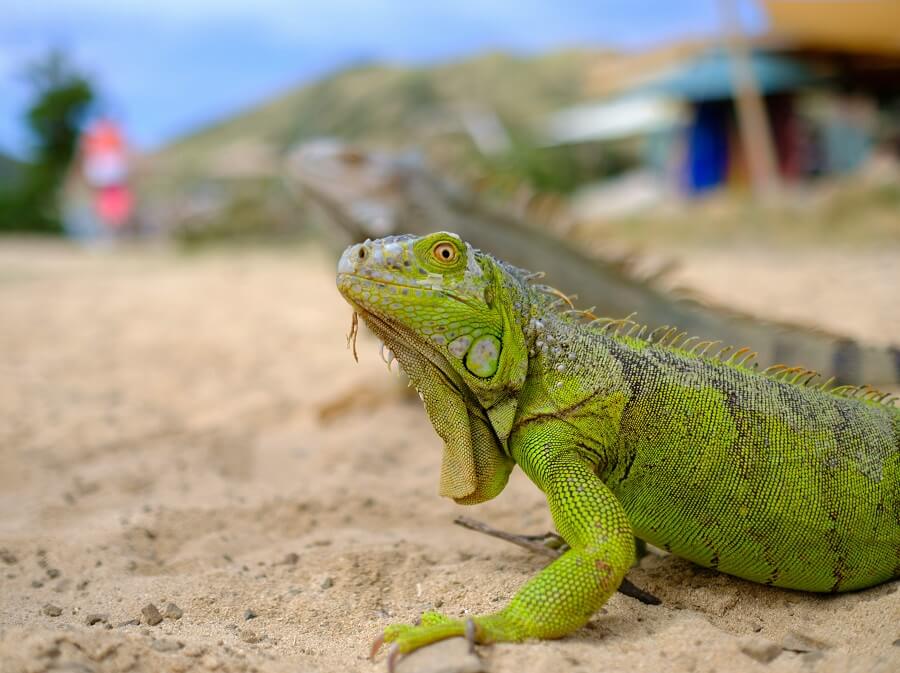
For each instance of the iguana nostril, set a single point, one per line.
(347, 262)
(362, 252)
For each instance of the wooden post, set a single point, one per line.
(753, 123)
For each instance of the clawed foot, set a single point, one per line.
(432, 627)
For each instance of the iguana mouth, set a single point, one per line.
(350, 277)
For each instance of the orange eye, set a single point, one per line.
(444, 252)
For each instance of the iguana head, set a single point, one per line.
(439, 296)
(448, 313)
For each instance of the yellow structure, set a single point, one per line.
(866, 25)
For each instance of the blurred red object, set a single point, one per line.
(114, 205)
(105, 166)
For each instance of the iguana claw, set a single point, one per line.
(470, 633)
(393, 655)
(376, 646)
(393, 652)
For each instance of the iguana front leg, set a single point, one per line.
(552, 545)
(564, 595)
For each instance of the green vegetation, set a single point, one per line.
(253, 212)
(61, 99)
(10, 171)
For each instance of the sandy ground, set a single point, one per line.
(850, 293)
(193, 431)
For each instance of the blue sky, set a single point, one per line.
(165, 67)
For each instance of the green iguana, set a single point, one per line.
(762, 475)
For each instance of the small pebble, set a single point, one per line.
(164, 645)
(800, 642)
(96, 618)
(249, 636)
(327, 583)
(173, 611)
(291, 559)
(130, 622)
(52, 610)
(8, 557)
(52, 573)
(761, 650)
(151, 614)
(249, 614)
(37, 584)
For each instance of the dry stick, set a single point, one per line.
(539, 544)
(552, 546)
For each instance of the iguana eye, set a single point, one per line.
(444, 252)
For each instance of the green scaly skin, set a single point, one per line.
(763, 478)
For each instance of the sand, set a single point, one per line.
(193, 431)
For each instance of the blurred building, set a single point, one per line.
(827, 74)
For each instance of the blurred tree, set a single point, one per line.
(559, 169)
(61, 100)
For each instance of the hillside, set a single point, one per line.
(387, 106)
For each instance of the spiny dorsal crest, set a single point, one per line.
(667, 336)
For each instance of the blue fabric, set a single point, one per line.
(707, 160)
